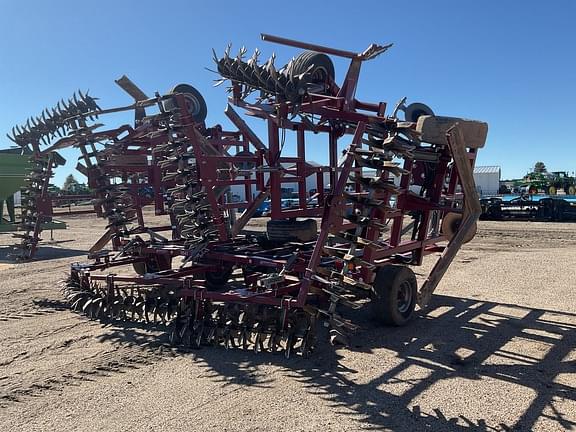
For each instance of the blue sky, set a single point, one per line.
(512, 64)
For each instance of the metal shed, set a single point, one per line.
(487, 179)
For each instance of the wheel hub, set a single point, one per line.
(404, 297)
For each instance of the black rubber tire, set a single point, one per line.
(196, 104)
(286, 230)
(323, 66)
(451, 224)
(386, 306)
(215, 281)
(153, 264)
(415, 110)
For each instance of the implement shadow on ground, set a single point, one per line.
(487, 333)
(45, 252)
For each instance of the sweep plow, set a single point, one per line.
(398, 187)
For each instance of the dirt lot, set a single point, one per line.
(495, 351)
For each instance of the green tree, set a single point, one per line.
(70, 185)
(539, 167)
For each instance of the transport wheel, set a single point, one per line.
(532, 190)
(571, 190)
(451, 225)
(196, 104)
(322, 66)
(215, 281)
(286, 230)
(394, 295)
(551, 190)
(153, 264)
(415, 110)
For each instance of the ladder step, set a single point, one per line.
(346, 256)
(359, 241)
(378, 184)
(342, 300)
(362, 199)
(347, 280)
(365, 221)
(380, 164)
(399, 145)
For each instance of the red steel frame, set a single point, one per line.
(355, 117)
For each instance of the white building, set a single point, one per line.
(487, 179)
(238, 191)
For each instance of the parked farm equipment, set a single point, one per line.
(28, 174)
(13, 170)
(548, 183)
(212, 282)
(38, 132)
(529, 207)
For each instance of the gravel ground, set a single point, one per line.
(496, 350)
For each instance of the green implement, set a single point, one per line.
(13, 169)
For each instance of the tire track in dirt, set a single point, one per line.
(105, 366)
(32, 313)
(46, 352)
(27, 382)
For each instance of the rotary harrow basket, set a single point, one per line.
(398, 190)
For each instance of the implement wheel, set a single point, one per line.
(319, 65)
(153, 264)
(216, 281)
(451, 224)
(394, 295)
(196, 104)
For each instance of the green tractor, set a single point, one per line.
(561, 180)
(549, 183)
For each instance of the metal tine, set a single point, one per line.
(252, 66)
(12, 138)
(260, 72)
(95, 105)
(270, 66)
(56, 113)
(72, 107)
(241, 53)
(215, 56)
(65, 107)
(288, 68)
(227, 52)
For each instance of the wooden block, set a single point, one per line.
(433, 130)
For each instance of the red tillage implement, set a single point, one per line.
(398, 190)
